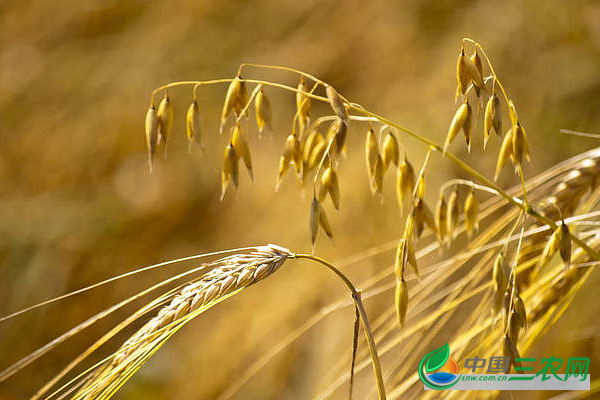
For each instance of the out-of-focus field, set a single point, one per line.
(77, 204)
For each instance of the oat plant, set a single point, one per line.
(508, 261)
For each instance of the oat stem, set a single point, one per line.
(363, 316)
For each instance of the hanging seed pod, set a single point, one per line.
(401, 300)
(192, 122)
(151, 134)
(242, 99)
(391, 151)
(452, 214)
(314, 220)
(423, 216)
(406, 181)
(471, 213)
(330, 184)
(262, 106)
(297, 159)
(520, 311)
(337, 104)
(505, 152)
(230, 173)
(234, 92)
(492, 119)
(476, 60)
(565, 244)
(324, 222)
(302, 104)
(317, 155)
(461, 120)
(164, 117)
(440, 218)
(289, 149)
(551, 247)
(241, 148)
(500, 273)
(378, 176)
(520, 145)
(371, 154)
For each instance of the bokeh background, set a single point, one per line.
(77, 204)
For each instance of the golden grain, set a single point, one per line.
(151, 134)
(337, 104)
(192, 122)
(241, 148)
(262, 106)
(390, 150)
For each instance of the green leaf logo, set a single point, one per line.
(438, 358)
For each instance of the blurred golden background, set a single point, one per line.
(78, 204)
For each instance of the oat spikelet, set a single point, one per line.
(262, 106)
(236, 93)
(421, 187)
(461, 120)
(310, 142)
(406, 181)
(401, 300)
(337, 104)
(476, 60)
(452, 215)
(500, 275)
(520, 147)
(423, 216)
(338, 131)
(441, 210)
(492, 119)
(230, 275)
(462, 76)
(316, 155)
(303, 104)
(378, 176)
(565, 244)
(371, 155)
(506, 150)
(391, 151)
(291, 149)
(324, 222)
(230, 173)
(471, 213)
(510, 350)
(551, 247)
(330, 185)
(192, 122)
(314, 219)
(164, 117)
(520, 311)
(151, 134)
(241, 148)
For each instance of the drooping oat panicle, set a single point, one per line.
(262, 106)
(314, 219)
(565, 244)
(401, 301)
(303, 104)
(236, 93)
(462, 120)
(230, 275)
(452, 214)
(406, 181)
(492, 118)
(390, 150)
(441, 211)
(164, 117)
(151, 134)
(192, 122)
(337, 104)
(520, 147)
(506, 152)
(371, 154)
(330, 185)
(241, 148)
(471, 213)
(230, 173)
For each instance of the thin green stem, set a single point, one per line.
(363, 316)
